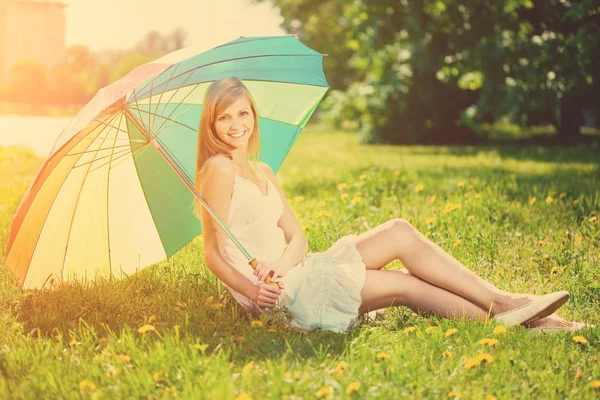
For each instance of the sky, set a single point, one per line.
(120, 24)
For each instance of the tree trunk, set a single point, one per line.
(571, 120)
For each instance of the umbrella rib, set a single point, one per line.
(120, 152)
(95, 151)
(122, 156)
(235, 59)
(107, 199)
(174, 93)
(161, 96)
(171, 119)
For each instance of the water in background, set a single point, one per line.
(35, 132)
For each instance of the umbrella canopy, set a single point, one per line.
(116, 192)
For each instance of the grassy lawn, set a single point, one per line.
(526, 219)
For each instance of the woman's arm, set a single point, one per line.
(297, 242)
(217, 188)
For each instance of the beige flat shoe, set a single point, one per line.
(539, 308)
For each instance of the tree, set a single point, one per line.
(28, 80)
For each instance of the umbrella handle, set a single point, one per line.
(253, 264)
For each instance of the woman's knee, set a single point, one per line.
(405, 233)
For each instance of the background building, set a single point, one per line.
(31, 29)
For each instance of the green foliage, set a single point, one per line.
(476, 203)
(421, 64)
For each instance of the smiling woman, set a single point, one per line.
(324, 290)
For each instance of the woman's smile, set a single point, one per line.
(238, 135)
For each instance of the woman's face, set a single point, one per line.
(235, 125)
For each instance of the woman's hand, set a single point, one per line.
(276, 270)
(268, 294)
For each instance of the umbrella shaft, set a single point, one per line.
(158, 148)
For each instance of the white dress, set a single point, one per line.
(323, 291)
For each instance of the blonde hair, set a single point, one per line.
(220, 95)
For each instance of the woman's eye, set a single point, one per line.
(244, 112)
(223, 118)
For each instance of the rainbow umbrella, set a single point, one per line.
(116, 192)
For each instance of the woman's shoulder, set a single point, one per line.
(265, 168)
(219, 171)
(220, 165)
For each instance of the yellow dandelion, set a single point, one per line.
(485, 357)
(112, 373)
(362, 177)
(218, 306)
(272, 330)
(575, 201)
(427, 234)
(87, 386)
(429, 221)
(158, 376)
(299, 199)
(419, 188)
(243, 396)
(430, 329)
(447, 354)
(256, 324)
(532, 201)
(471, 362)
(409, 329)
(396, 173)
(489, 342)
(340, 367)
(578, 375)
(477, 195)
(460, 184)
(593, 219)
(383, 356)
(580, 339)
(209, 301)
(432, 199)
(456, 243)
(73, 343)
(490, 397)
(321, 204)
(124, 358)
(549, 199)
(151, 319)
(247, 368)
(356, 199)
(353, 387)
(239, 339)
(595, 384)
(344, 196)
(325, 392)
(562, 195)
(342, 186)
(450, 332)
(470, 218)
(499, 329)
(454, 394)
(546, 256)
(323, 213)
(146, 328)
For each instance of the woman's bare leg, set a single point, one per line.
(401, 288)
(398, 239)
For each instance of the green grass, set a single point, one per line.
(83, 342)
